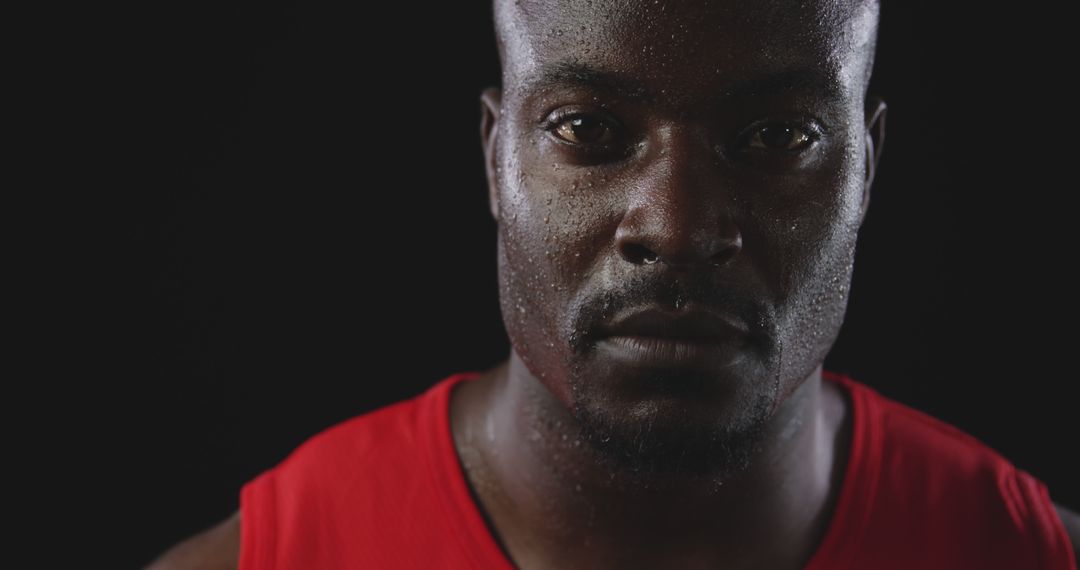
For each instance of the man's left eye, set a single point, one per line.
(781, 137)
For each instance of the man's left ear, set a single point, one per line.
(875, 140)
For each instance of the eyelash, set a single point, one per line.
(560, 118)
(813, 129)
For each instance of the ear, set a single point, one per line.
(875, 140)
(490, 109)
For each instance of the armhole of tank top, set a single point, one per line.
(851, 519)
(258, 523)
(474, 539)
(1051, 542)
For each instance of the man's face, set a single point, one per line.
(686, 157)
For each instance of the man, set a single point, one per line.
(678, 188)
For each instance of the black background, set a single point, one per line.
(283, 223)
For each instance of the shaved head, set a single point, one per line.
(514, 19)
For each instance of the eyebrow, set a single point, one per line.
(805, 79)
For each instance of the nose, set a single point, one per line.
(681, 211)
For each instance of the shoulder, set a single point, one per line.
(922, 452)
(1071, 521)
(922, 443)
(384, 437)
(312, 473)
(217, 548)
(924, 464)
(318, 485)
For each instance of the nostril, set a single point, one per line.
(636, 253)
(727, 250)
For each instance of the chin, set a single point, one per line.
(674, 423)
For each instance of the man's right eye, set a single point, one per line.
(583, 129)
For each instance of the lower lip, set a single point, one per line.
(662, 351)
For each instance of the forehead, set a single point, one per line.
(683, 49)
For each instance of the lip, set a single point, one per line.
(693, 323)
(653, 336)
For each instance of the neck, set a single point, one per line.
(546, 492)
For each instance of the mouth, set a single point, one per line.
(653, 336)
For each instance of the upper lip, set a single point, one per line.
(691, 323)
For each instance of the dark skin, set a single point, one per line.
(735, 146)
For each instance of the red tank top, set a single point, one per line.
(386, 490)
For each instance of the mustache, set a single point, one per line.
(596, 307)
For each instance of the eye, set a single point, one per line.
(781, 137)
(583, 129)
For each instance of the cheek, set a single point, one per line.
(558, 220)
(525, 274)
(802, 230)
(548, 240)
(812, 269)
